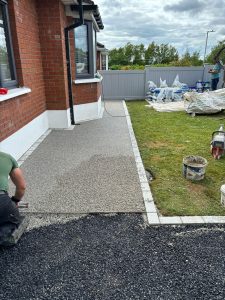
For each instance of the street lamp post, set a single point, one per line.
(206, 42)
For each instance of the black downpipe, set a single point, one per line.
(67, 42)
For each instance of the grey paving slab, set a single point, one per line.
(89, 169)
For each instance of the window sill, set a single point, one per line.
(89, 80)
(14, 93)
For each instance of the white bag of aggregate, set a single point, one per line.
(204, 103)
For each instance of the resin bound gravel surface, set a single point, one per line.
(113, 257)
(89, 169)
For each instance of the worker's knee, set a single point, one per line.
(9, 213)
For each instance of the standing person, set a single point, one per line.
(215, 74)
(9, 213)
(223, 76)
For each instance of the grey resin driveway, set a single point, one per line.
(89, 169)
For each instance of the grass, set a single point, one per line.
(164, 139)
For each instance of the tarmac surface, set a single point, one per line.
(82, 244)
(114, 257)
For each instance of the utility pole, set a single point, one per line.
(206, 42)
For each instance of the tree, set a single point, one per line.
(188, 59)
(166, 54)
(150, 54)
(117, 57)
(214, 52)
(195, 59)
(129, 52)
(163, 54)
(139, 54)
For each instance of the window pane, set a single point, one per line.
(1, 17)
(103, 62)
(5, 72)
(81, 44)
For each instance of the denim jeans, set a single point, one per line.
(9, 213)
(214, 83)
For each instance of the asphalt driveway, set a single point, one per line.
(114, 257)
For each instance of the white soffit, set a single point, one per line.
(88, 15)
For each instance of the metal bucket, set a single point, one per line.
(194, 167)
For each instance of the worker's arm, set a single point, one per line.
(17, 178)
(214, 71)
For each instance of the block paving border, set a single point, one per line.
(153, 215)
(22, 159)
(37, 143)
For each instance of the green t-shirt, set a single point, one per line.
(7, 164)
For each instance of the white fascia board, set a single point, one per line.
(95, 23)
(103, 51)
(88, 15)
(69, 2)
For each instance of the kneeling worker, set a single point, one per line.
(9, 213)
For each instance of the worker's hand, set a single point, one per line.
(15, 200)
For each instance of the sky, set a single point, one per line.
(180, 23)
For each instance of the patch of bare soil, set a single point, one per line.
(160, 144)
(195, 188)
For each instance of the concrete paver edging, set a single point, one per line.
(153, 215)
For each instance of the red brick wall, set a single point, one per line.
(86, 93)
(37, 28)
(52, 21)
(98, 62)
(17, 112)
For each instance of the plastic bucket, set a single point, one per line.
(222, 189)
(194, 167)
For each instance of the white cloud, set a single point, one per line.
(181, 23)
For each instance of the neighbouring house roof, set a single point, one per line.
(101, 48)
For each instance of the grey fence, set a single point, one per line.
(119, 85)
(133, 84)
(188, 75)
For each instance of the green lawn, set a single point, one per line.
(164, 139)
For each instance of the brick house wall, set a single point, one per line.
(19, 111)
(37, 29)
(52, 21)
(99, 65)
(87, 93)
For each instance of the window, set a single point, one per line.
(85, 50)
(94, 51)
(7, 66)
(103, 62)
